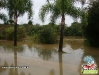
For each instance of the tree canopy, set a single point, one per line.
(55, 9)
(92, 29)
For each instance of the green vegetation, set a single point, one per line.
(60, 8)
(17, 8)
(46, 35)
(2, 5)
(92, 29)
(74, 30)
(40, 33)
(7, 33)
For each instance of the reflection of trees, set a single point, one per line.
(3, 69)
(15, 61)
(11, 71)
(14, 71)
(45, 54)
(60, 63)
(52, 72)
(11, 49)
(75, 44)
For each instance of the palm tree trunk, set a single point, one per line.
(15, 28)
(60, 63)
(61, 33)
(62, 28)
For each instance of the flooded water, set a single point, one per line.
(43, 59)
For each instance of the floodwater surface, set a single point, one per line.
(44, 59)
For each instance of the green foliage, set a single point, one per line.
(30, 22)
(2, 5)
(92, 29)
(10, 22)
(7, 33)
(32, 30)
(19, 6)
(46, 35)
(74, 30)
(56, 8)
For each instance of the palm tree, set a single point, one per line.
(59, 8)
(2, 5)
(17, 8)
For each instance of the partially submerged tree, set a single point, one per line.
(17, 8)
(59, 8)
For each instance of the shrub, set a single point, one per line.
(46, 35)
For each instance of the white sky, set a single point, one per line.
(36, 7)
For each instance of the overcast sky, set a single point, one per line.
(36, 7)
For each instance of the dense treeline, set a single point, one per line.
(41, 33)
(92, 29)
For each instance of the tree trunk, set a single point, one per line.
(61, 33)
(15, 28)
(62, 28)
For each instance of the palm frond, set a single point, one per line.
(21, 6)
(57, 8)
(45, 10)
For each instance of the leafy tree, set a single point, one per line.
(59, 8)
(17, 8)
(92, 29)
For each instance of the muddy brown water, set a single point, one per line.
(43, 59)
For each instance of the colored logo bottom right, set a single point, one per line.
(90, 66)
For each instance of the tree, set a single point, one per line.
(92, 29)
(17, 8)
(59, 8)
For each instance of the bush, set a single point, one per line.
(46, 35)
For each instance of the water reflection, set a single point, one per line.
(56, 63)
(15, 61)
(11, 71)
(45, 54)
(3, 69)
(52, 72)
(60, 63)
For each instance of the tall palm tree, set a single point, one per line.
(2, 5)
(17, 8)
(59, 8)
